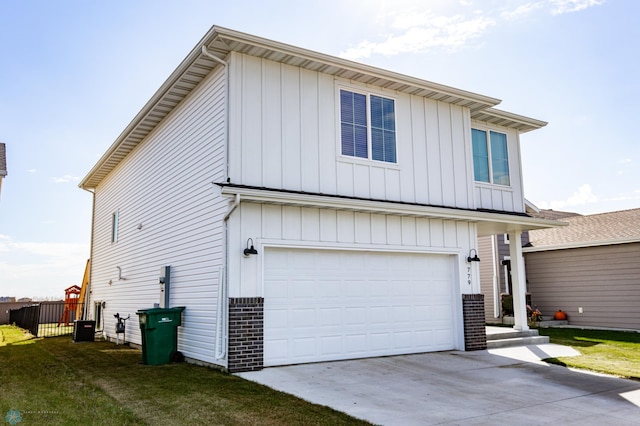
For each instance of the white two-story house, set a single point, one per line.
(310, 208)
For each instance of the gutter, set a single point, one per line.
(274, 196)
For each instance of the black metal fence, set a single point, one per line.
(47, 319)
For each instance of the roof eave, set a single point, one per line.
(508, 119)
(485, 220)
(221, 41)
(88, 182)
(581, 244)
(330, 61)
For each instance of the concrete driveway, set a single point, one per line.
(498, 386)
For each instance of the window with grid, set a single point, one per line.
(367, 126)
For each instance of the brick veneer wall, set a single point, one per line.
(246, 334)
(475, 334)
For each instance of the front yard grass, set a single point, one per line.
(611, 352)
(55, 381)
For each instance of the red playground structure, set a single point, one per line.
(71, 296)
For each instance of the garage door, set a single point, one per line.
(322, 305)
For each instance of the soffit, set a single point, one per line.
(507, 119)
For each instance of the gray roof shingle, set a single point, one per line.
(595, 229)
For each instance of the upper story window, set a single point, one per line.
(490, 157)
(367, 126)
(114, 227)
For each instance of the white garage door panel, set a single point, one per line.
(322, 305)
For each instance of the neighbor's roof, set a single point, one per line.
(591, 230)
(221, 41)
(553, 214)
(3, 160)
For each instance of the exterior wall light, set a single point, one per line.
(475, 258)
(249, 251)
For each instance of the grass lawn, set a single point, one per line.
(610, 352)
(55, 381)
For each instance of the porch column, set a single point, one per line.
(518, 280)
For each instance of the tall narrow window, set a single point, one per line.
(114, 227)
(480, 155)
(97, 314)
(353, 124)
(367, 126)
(499, 158)
(490, 157)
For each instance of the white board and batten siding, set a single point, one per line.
(272, 225)
(169, 215)
(284, 124)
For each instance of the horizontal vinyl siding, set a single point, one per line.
(488, 269)
(284, 124)
(295, 225)
(602, 280)
(165, 185)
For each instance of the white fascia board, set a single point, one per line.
(581, 244)
(267, 196)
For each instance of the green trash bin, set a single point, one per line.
(159, 328)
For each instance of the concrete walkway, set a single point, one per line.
(498, 386)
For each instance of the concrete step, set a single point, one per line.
(509, 333)
(552, 323)
(516, 341)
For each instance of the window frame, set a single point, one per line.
(115, 224)
(368, 94)
(98, 315)
(489, 157)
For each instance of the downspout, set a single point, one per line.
(206, 53)
(235, 204)
(221, 344)
(223, 276)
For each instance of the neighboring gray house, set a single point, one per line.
(589, 269)
(311, 208)
(3, 164)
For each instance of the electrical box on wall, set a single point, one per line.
(165, 286)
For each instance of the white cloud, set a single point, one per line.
(31, 171)
(521, 11)
(24, 264)
(559, 7)
(414, 32)
(625, 161)
(65, 179)
(411, 29)
(584, 195)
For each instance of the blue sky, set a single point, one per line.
(74, 73)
